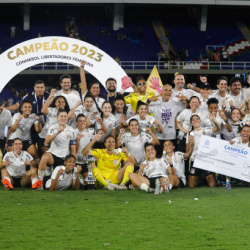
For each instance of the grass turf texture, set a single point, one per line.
(103, 219)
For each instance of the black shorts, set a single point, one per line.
(26, 144)
(181, 183)
(152, 181)
(84, 167)
(16, 182)
(57, 161)
(41, 143)
(198, 172)
(2, 145)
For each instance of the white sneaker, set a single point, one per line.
(122, 186)
(111, 187)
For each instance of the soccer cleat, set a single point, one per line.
(7, 184)
(157, 186)
(151, 190)
(111, 187)
(166, 184)
(228, 185)
(133, 187)
(37, 184)
(122, 186)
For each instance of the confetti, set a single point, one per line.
(196, 199)
(169, 201)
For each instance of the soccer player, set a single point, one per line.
(107, 171)
(14, 168)
(21, 128)
(155, 171)
(61, 137)
(134, 140)
(65, 176)
(196, 173)
(50, 109)
(5, 120)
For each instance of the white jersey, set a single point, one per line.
(238, 140)
(129, 113)
(17, 167)
(178, 164)
(72, 98)
(64, 181)
(98, 100)
(50, 120)
(24, 126)
(186, 92)
(156, 168)
(88, 135)
(5, 120)
(61, 143)
(235, 130)
(147, 123)
(135, 144)
(166, 113)
(197, 136)
(82, 110)
(186, 114)
(111, 123)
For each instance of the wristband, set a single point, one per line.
(122, 91)
(226, 121)
(159, 90)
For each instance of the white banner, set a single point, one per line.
(59, 49)
(221, 157)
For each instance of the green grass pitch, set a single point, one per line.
(102, 219)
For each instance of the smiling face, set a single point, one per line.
(134, 127)
(66, 84)
(39, 89)
(166, 92)
(245, 134)
(60, 103)
(26, 109)
(235, 115)
(18, 146)
(142, 111)
(141, 85)
(88, 103)
(169, 147)
(194, 103)
(179, 82)
(81, 123)
(150, 152)
(213, 108)
(119, 105)
(70, 163)
(95, 89)
(222, 86)
(203, 79)
(196, 121)
(106, 109)
(111, 86)
(62, 118)
(110, 143)
(236, 88)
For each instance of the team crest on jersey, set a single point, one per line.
(192, 171)
(115, 162)
(141, 141)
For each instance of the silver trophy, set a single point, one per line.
(90, 180)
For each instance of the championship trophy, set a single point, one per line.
(90, 180)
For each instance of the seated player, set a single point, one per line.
(176, 160)
(14, 168)
(62, 141)
(107, 171)
(153, 175)
(65, 176)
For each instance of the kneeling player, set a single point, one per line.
(155, 171)
(14, 168)
(108, 163)
(64, 177)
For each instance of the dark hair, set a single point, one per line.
(212, 101)
(53, 103)
(133, 119)
(139, 78)
(69, 156)
(17, 139)
(202, 75)
(1, 102)
(235, 79)
(192, 97)
(139, 104)
(102, 107)
(110, 79)
(149, 144)
(60, 111)
(79, 116)
(24, 101)
(89, 95)
(234, 109)
(39, 82)
(64, 76)
(221, 78)
(109, 136)
(193, 116)
(125, 108)
(91, 84)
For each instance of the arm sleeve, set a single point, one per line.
(95, 153)
(53, 176)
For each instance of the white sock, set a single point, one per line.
(228, 179)
(170, 186)
(5, 176)
(41, 174)
(145, 187)
(34, 180)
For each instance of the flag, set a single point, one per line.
(154, 73)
